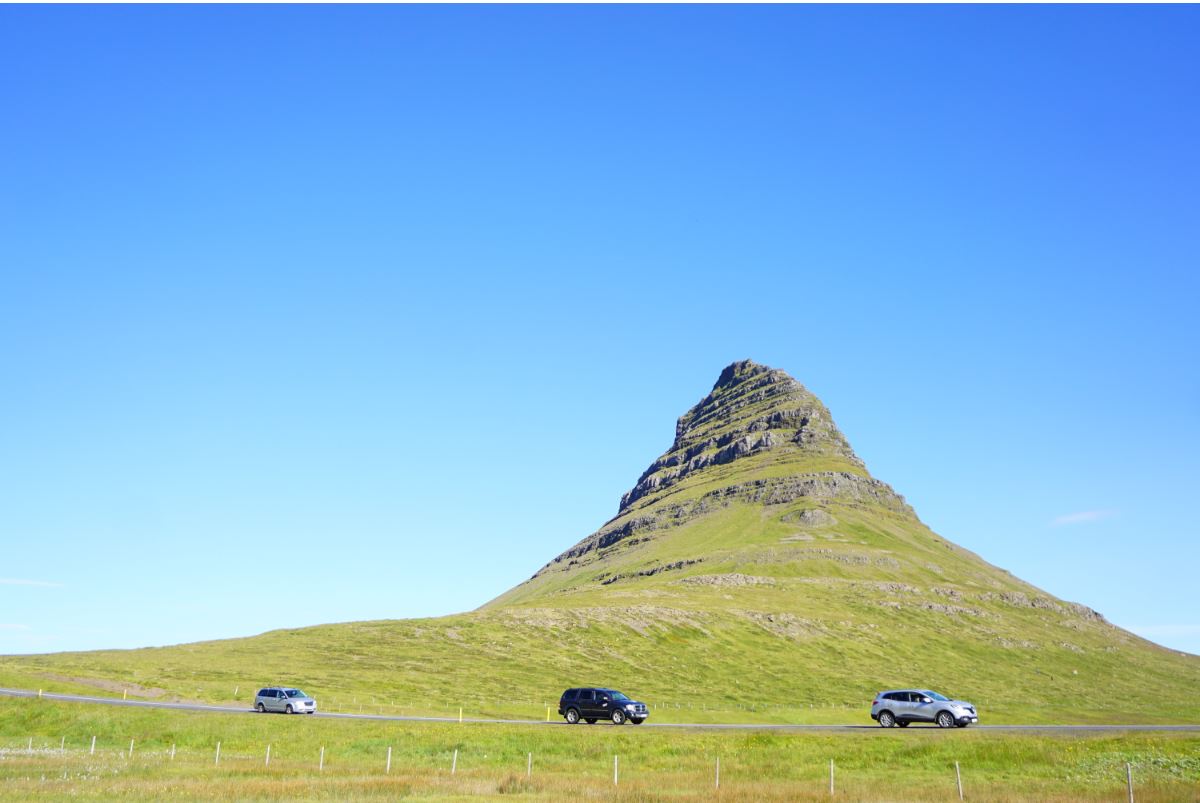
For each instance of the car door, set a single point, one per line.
(587, 703)
(922, 707)
(897, 703)
(277, 699)
(604, 704)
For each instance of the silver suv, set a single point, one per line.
(281, 698)
(902, 706)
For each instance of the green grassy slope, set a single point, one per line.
(756, 572)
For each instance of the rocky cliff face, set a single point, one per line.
(751, 409)
(756, 421)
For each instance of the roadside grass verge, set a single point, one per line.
(44, 753)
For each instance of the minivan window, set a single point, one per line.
(295, 693)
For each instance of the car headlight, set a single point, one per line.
(629, 706)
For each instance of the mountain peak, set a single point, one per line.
(739, 371)
(752, 409)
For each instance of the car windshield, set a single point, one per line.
(935, 696)
(295, 693)
(618, 696)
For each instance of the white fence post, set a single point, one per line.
(267, 763)
(388, 769)
(958, 778)
(529, 767)
(92, 752)
(218, 759)
(718, 772)
(131, 748)
(454, 762)
(321, 761)
(831, 777)
(62, 745)
(172, 750)
(1129, 780)
(614, 771)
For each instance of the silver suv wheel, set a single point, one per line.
(945, 720)
(886, 720)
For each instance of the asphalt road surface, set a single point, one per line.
(233, 709)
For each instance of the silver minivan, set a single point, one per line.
(284, 700)
(902, 706)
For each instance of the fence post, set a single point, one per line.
(718, 772)
(321, 761)
(62, 746)
(30, 748)
(217, 762)
(454, 762)
(460, 713)
(614, 770)
(92, 752)
(831, 777)
(1129, 780)
(172, 749)
(131, 748)
(529, 767)
(388, 769)
(958, 777)
(267, 763)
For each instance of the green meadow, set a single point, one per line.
(45, 752)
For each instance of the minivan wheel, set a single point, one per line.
(288, 710)
(618, 717)
(572, 716)
(262, 709)
(945, 720)
(886, 720)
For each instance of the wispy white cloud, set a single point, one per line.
(14, 581)
(1083, 517)
(13, 627)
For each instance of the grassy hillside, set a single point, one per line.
(756, 572)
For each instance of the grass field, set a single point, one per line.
(45, 753)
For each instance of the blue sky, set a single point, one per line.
(315, 314)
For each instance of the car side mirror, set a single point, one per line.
(926, 700)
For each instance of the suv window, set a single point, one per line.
(570, 694)
(895, 695)
(586, 695)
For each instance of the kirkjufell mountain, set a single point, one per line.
(756, 565)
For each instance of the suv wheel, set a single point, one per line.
(262, 709)
(945, 720)
(572, 716)
(618, 717)
(886, 719)
(288, 710)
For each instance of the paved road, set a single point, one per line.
(79, 698)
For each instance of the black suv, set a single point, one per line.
(592, 704)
